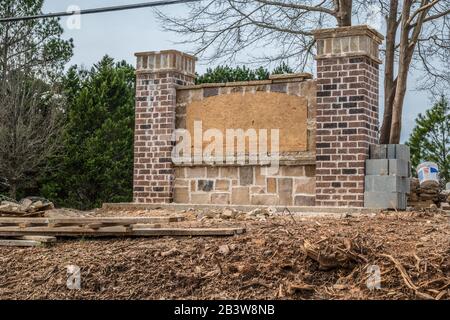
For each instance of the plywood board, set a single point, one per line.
(260, 110)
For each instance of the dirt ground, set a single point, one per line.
(279, 257)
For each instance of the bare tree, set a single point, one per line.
(29, 128)
(417, 36)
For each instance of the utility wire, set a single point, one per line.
(98, 10)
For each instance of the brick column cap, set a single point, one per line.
(348, 41)
(165, 61)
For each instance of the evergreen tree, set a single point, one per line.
(282, 69)
(96, 164)
(223, 74)
(430, 139)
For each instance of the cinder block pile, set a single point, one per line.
(387, 177)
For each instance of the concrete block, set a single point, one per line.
(377, 167)
(402, 152)
(387, 167)
(387, 184)
(385, 200)
(378, 151)
(399, 167)
(389, 151)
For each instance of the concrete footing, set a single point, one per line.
(245, 208)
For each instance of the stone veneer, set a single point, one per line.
(347, 112)
(294, 184)
(244, 185)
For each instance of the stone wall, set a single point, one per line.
(245, 185)
(294, 182)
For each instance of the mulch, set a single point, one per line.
(281, 258)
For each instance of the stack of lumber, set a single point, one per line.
(105, 227)
(425, 195)
(28, 207)
(27, 241)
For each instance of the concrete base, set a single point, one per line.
(384, 200)
(244, 208)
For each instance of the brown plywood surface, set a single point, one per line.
(260, 110)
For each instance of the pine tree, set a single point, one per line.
(96, 164)
(430, 139)
(223, 74)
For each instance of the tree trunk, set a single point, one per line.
(402, 78)
(389, 82)
(344, 12)
(408, 43)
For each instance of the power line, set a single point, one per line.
(98, 10)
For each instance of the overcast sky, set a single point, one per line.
(121, 34)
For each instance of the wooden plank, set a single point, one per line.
(88, 220)
(19, 243)
(43, 239)
(194, 232)
(146, 225)
(119, 231)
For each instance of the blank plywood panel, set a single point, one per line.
(260, 110)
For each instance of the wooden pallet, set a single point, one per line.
(82, 221)
(104, 227)
(117, 231)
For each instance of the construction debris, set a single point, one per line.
(106, 227)
(28, 207)
(425, 195)
(281, 258)
(19, 243)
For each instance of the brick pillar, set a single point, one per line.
(157, 76)
(347, 112)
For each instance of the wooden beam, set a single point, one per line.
(118, 231)
(43, 239)
(19, 243)
(88, 220)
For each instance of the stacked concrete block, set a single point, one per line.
(387, 177)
